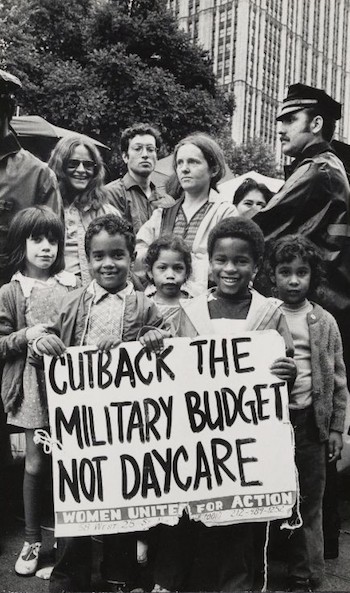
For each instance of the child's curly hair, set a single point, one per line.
(238, 227)
(113, 225)
(172, 243)
(288, 248)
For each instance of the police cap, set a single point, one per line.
(300, 96)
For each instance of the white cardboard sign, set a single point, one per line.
(139, 438)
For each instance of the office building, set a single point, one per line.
(259, 47)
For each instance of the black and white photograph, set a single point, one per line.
(174, 296)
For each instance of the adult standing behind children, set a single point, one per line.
(24, 179)
(251, 197)
(314, 201)
(135, 195)
(79, 169)
(199, 164)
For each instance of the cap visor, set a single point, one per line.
(286, 110)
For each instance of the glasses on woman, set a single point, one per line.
(73, 164)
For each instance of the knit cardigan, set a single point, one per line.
(13, 339)
(329, 385)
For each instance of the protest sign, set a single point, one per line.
(137, 438)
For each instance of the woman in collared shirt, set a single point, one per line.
(79, 169)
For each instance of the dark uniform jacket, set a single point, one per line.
(314, 201)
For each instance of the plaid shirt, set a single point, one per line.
(107, 313)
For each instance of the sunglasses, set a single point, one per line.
(73, 164)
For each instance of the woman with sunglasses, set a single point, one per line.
(79, 169)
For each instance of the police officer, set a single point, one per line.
(314, 200)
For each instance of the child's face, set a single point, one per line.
(109, 261)
(232, 266)
(41, 253)
(292, 280)
(169, 272)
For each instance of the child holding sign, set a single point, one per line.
(317, 400)
(31, 300)
(224, 556)
(105, 313)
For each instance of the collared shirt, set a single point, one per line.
(187, 229)
(308, 153)
(107, 312)
(27, 284)
(131, 201)
(24, 181)
(43, 298)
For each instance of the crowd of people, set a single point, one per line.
(84, 263)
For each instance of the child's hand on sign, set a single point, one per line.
(51, 345)
(108, 342)
(153, 339)
(335, 445)
(35, 332)
(284, 368)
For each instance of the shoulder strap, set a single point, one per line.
(169, 216)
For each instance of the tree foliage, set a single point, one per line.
(97, 67)
(253, 155)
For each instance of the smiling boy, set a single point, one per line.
(222, 558)
(108, 311)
